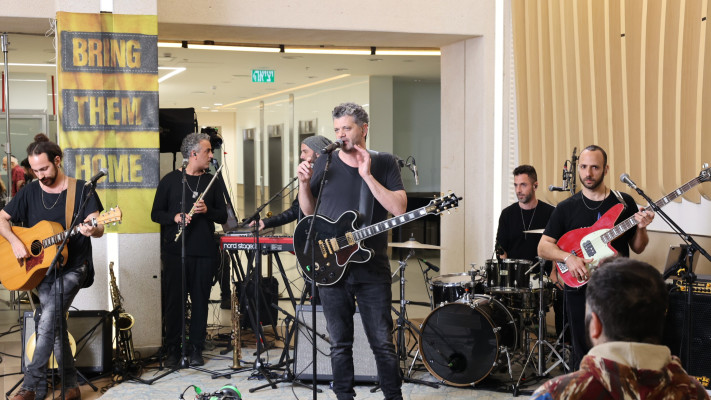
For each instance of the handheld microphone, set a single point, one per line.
(333, 146)
(214, 163)
(625, 178)
(429, 265)
(413, 168)
(92, 182)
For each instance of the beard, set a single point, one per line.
(49, 180)
(524, 199)
(592, 185)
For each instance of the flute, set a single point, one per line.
(192, 210)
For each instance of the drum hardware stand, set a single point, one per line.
(540, 342)
(404, 324)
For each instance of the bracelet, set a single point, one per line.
(566, 258)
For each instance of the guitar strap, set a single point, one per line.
(365, 205)
(71, 195)
(619, 198)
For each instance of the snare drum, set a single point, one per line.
(527, 301)
(460, 343)
(507, 275)
(452, 288)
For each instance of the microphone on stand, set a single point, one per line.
(215, 164)
(413, 168)
(333, 146)
(625, 178)
(429, 265)
(565, 181)
(92, 182)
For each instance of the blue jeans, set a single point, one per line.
(36, 374)
(374, 302)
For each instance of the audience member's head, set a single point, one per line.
(626, 301)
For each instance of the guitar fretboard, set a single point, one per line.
(391, 223)
(58, 238)
(630, 222)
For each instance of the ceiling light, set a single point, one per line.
(254, 49)
(407, 52)
(321, 50)
(169, 44)
(31, 65)
(175, 71)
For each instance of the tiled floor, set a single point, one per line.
(496, 385)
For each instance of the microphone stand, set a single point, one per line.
(310, 243)
(689, 276)
(59, 294)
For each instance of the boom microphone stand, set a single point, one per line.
(689, 276)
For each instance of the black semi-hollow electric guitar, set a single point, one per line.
(338, 243)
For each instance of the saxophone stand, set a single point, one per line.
(540, 342)
(288, 375)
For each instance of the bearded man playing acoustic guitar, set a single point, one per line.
(45, 200)
(583, 209)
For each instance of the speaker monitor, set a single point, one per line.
(699, 363)
(94, 350)
(364, 366)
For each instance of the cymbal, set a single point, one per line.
(414, 244)
(535, 231)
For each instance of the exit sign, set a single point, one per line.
(263, 75)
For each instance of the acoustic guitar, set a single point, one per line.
(42, 242)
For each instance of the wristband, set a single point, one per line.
(566, 258)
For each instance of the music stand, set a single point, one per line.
(677, 257)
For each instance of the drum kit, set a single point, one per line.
(481, 321)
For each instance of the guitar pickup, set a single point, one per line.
(350, 239)
(323, 248)
(333, 245)
(563, 267)
(589, 248)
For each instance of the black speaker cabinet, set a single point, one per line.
(364, 366)
(699, 364)
(94, 350)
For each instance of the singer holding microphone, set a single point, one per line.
(358, 179)
(200, 247)
(46, 200)
(582, 210)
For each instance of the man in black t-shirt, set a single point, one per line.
(582, 210)
(526, 214)
(354, 174)
(200, 247)
(45, 200)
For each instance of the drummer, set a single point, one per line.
(527, 214)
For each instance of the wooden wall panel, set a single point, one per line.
(632, 76)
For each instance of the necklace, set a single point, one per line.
(598, 206)
(197, 187)
(59, 195)
(525, 235)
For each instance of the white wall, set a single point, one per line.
(416, 114)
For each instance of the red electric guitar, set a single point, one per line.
(596, 241)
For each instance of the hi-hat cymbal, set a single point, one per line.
(414, 244)
(535, 231)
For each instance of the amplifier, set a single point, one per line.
(699, 364)
(364, 367)
(699, 286)
(92, 331)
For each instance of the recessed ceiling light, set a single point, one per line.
(375, 59)
(217, 104)
(340, 69)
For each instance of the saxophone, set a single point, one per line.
(124, 322)
(236, 332)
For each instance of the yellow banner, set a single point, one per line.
(108, 109)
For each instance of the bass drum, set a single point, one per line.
(460, 342)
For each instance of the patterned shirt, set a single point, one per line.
(621, 377)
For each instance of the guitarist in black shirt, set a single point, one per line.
(46, 200)
(367, 181)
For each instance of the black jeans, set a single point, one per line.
(199, 272)
(374, 302)
(47, 341)
(576, 318)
